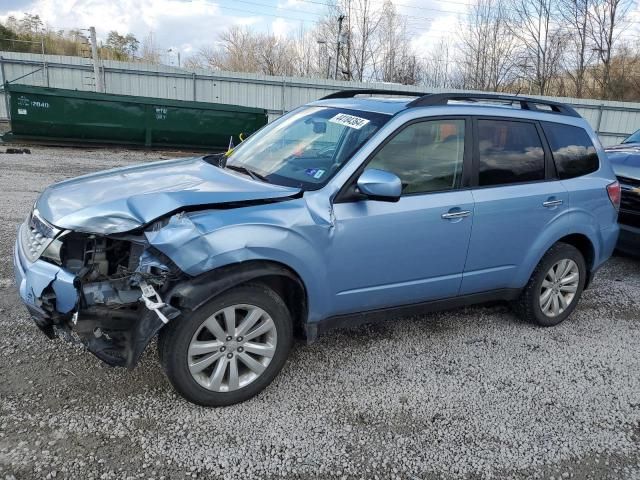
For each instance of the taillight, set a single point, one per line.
(615, 192)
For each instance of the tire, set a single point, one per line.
(188, 344)
(530, 306)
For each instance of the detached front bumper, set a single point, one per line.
(39, 280)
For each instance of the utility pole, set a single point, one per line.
(340, 20)
(349, 40)
(322, 47)
(172, 50)
(96, 60)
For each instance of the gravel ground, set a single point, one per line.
(471, 393)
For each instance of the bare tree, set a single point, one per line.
(363, 39)
(605, 25)
(304, 54)
(241, 50)
(488, 47)
(149, 52)
(576, 14)
(395, 61)
(360, 40)
(275, 55)
(533, 24)
(437, 66)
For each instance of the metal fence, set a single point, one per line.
(612, 120)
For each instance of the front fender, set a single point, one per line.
(207, 241)
(195, 292)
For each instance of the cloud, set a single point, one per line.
(281, 28)
(186, 25)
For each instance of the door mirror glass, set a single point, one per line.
(380, 185)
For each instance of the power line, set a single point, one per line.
(252, 12)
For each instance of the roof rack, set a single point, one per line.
(433, 99)
(526, 103)
(372, 91)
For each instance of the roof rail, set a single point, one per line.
(372, 91)
(526, 103)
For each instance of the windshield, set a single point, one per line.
(633, 138)
(306, 147)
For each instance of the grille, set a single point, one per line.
(633, 182)
(36, 235)
(626, 217)
(629, 201)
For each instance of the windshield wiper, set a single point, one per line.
(245, 170)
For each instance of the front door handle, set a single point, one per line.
(454, 215)
(552, 203)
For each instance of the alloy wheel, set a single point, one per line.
(232, 348)
(559, 287)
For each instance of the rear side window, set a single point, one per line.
(573, 150)
(509, 152)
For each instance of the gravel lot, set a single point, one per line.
(471, 393)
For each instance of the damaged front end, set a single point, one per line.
(104, 291)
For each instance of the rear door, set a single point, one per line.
(517, 196)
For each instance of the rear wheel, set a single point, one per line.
(230, 349)
(555, 286)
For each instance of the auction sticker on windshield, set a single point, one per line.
(350, 121)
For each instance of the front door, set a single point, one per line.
(388, 254)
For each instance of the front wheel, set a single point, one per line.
(230, 349)
(555, 286)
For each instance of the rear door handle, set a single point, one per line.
(454, 215)
(552, 203)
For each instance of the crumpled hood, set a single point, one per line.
(122, 199)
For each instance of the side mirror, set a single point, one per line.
(380, 185)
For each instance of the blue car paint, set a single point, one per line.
(625, 160)
(508, 222)
(428, 252)
(126, 198)
(33, 278)
(350, 256)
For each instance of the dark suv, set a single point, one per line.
(625, 160)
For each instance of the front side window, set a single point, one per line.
(509, 152)
(427, 156)
(306, 147)
(572, 149)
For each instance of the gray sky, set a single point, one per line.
(187, 25)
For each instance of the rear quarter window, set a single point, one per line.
(572, 149)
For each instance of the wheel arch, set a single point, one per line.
(191, 294)
(579, 240)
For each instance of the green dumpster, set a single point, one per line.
(72, 116)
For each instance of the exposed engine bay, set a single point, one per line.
(120, 281)
(111, 271)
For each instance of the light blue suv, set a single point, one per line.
(359, 206)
